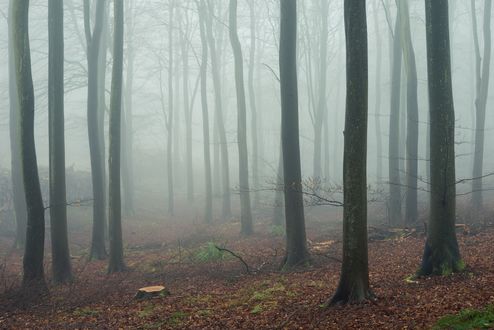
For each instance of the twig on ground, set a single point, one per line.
(247, 268)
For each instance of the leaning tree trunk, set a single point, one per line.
(243, 158)
(441, 253)
(98, 250)
(354, 279)
(296, 242)
(33, 276)
(412, 123)
(208, 212)
(394, 131)
(482, 85)
(58, 203)
(116, 262)
(18, 194)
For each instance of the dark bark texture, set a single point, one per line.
(441, 253)
(354, 279)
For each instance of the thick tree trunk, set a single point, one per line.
(296, 242)
(220, 125)
(33, 276)
(482, 85)
(243, 158)
(18, 194)
(116, 262)
(394, 131)
(208, 212)
(441, 253)
(58, 203)
(354, 279)
(93, 39)
(412, 123)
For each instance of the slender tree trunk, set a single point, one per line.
(296, 242)
(441, 253)
(482, 85)
(93, 39)
(252, 103)
(379, 154)
(116, 262)
(220, 125)
(169, 142)
(394, 131)
(103, 47)
(208, 212)
(187, 107)
(354, 279)
(58, 203)
(321, 109)
(412, 139)
(127, 122)
(243, 158)
(18, 194)
(278, 197)
(33, 276)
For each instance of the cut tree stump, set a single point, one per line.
(151, 291)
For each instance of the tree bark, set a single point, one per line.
(127, 119)
(243, 158)
(441, 253)
(252, 103)
(58, 201)
(394, 131)
(379, 155)
(482, 88)
(412, 123)
(354, 279)
(116, 262)
(296, 242)
(33, 275)
(220, 125)
(18, 194)
(208, 212)
(93, 39)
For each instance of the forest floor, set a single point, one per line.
(210, 289)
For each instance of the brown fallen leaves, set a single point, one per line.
(219, 294)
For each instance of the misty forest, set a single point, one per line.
(246, 164)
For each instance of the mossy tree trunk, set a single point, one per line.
(441, 253)
(354, 279)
